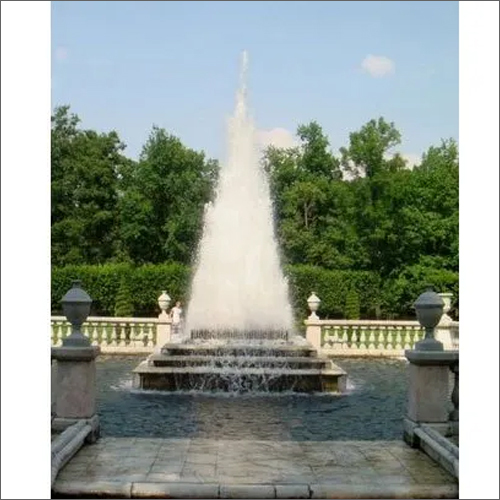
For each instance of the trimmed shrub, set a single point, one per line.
(332, 287)
(400, 293)
(124, 306)
(351, 310)
(376, 298)
(102, 283)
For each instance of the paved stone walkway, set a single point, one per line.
(202, 468)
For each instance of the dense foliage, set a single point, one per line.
(107, 208)
(116, 289)
(361, 229)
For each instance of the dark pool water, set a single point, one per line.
(372, 409)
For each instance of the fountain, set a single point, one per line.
(238, 333)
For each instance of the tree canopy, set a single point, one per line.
(362, 210)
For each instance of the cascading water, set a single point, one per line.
(238, 283)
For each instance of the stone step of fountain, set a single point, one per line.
(239, 334)
(239, 349)
(168, 378)
(283, 362)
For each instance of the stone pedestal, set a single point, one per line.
(428, 393)
(75, 390)
(164, 330)
(313, 333)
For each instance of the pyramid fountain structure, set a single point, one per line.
(239, 329)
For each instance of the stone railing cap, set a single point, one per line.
(64, 353)
(435, 358)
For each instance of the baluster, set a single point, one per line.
(104, 331)
(362, 338)
(140, 334)
(154, 330)
(454, 394)
(326, 334)
(114, 335)
(150, 336)
(412, 335)
(86, 331)
(408, 339)
(390, 338)
(354, 337)
(123, 335)
(381, 338)
(336, 337)
(371, 339)
(345, 337)
(61, 333)
(329, 334)
(55, 327)
(418, 334)
(399, 340)
(95, 334)
(135, 330)
(143, 334)
(131, 330)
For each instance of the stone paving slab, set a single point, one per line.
(203, 468)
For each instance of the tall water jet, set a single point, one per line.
(238, 282)
(239, 293)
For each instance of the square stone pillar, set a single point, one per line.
(428, 392)
(313, 333)
(75, 387)
(164, 330)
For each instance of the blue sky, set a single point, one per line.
(129, 65)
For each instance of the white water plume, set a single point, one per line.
(238, 282)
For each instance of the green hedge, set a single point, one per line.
(400, 293)
(103, 283)
(377, 297)
(332, 288)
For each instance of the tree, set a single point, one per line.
(161, 211)
(281, 166)
(316, 159)
(366, 154)
(84, 167)
(427, 213)
(399, 223)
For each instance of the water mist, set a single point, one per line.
(238, 282)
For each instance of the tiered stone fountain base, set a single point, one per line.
(235, 361)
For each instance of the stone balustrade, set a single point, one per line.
(120, 335)
(372, 337)
(336, 337)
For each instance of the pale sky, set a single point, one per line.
(129, 65)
